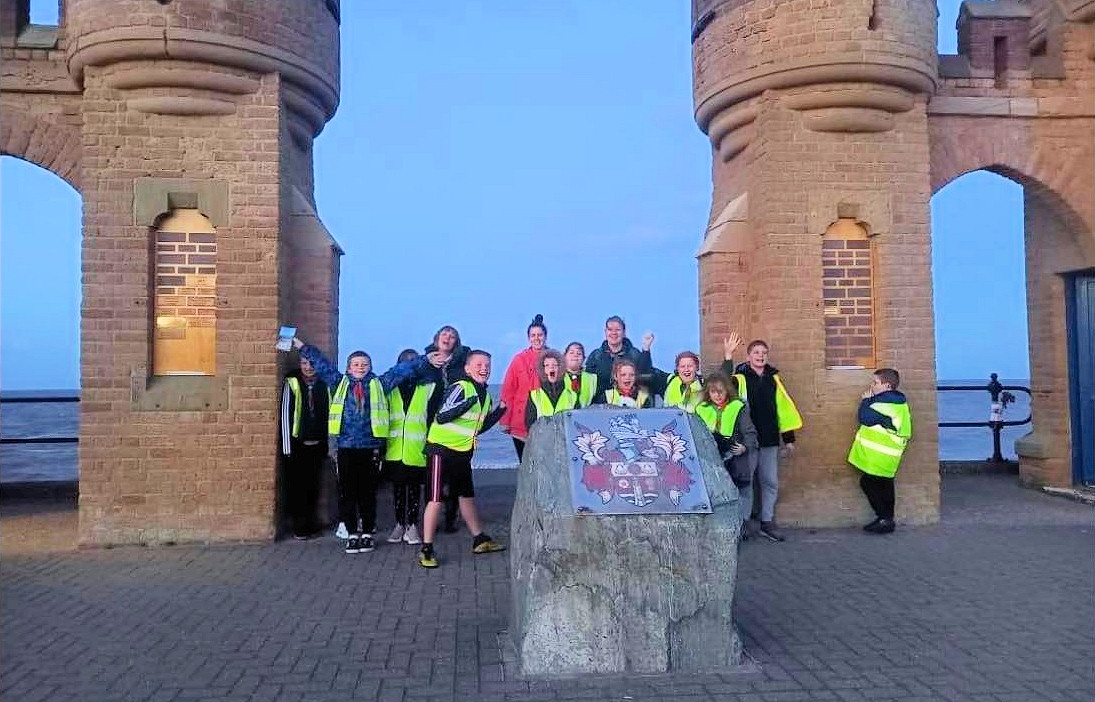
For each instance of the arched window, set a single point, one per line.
(185, 339)
(847, 280)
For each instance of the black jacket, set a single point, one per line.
(443, 377)
(456, 404)
(762, 402)
(601, 360)
(313, 417)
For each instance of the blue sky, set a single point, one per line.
(491, 161)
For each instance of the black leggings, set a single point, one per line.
(358, 478)
(880, 494)
(519, 445)
(407, 482)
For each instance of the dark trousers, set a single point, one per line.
(407, 482)
(358, 478)
(520, 446)
(305, 468)
(880, 494)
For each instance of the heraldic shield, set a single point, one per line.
(634, 462)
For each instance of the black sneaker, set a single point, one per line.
(366, 544)
(353, 544)
(873, 526)
(769, 531)
(885, 526)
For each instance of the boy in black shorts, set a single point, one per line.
(465, 414)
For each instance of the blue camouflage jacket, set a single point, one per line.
(357, 427)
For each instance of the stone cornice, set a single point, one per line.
(746, 85)
(136, 43)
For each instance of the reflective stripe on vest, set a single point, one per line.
(720, 421)
(407, 430)
(459, 434)
(294, 387)
(544, 408)
(787, 414)
(613, 397)
(877, 450)
(378, 408)
(687, 397)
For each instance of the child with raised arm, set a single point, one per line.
(466, 413)
(885, 427)
(358, 417)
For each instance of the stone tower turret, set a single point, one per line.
(187, 127)
(819, 224)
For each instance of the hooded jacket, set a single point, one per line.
(442, 377)
(869, 417)
(357, 428)
(521, 378)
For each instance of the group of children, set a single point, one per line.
(417, 423)
(746, 407)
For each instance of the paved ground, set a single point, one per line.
(993, 604)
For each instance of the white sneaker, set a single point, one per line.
(411, 535)
(397, 534)
(340, 532)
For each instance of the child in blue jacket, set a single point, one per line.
(358, 417)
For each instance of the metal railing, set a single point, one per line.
(1001, 397)
(39, 399)
(1000, 394)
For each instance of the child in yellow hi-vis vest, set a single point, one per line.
(358, 418)
(885, 427)
(466, 413)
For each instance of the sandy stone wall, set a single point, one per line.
(147, 108)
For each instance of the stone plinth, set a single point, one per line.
(622, 593)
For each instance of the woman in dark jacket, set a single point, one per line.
(616, 347)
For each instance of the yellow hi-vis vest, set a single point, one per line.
(722, 421)
(544, 408)
(877, 450)
(687, 397)
(378, 408)
(407, 427)
(586, 390)
(459, 434)
(787, 416)
(613, 397)
(294, 387)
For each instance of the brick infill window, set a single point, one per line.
(184, 338)
(847, 289)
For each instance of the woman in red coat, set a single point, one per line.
(522, 377)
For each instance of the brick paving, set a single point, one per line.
(993, 604)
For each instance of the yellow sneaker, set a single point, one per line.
(427, 559)
(488, 546)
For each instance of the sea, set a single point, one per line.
(58, 462)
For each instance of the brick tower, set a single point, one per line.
(187, 127)
(831, 123)
(819, 236)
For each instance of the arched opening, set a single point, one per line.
(979, 278)
(40, 217)
(1007, 255)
